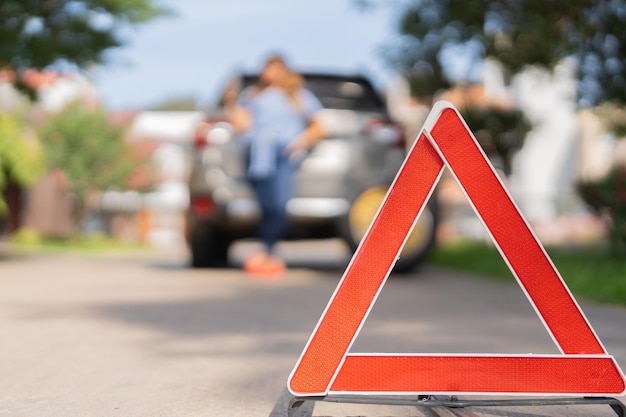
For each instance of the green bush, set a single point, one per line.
(84, 144)
(27, 237)
(500, 132)
(608, 196)
(21, 156)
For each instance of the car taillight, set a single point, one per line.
(213, 133)
(386, 131)
(199, 138)
(202, 206)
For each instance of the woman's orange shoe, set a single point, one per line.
(265, 265)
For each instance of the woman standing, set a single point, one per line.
(277, 119)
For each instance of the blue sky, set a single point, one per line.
(193, 53)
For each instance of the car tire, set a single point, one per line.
(364, 208)
(209, 249)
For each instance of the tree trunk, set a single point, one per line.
(15, 201)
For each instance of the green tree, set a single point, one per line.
(91, 151)
(517, 33)
(21, 156)
(41, 33)
(182, 103)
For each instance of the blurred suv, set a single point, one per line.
(339, 186)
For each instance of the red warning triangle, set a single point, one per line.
(327, 367)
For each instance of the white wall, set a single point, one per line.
(544, 170)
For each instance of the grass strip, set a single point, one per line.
(30, 240)
(590, 272)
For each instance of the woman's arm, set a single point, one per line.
(313, 133)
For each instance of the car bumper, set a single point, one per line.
(297, 208)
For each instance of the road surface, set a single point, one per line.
(138, 334)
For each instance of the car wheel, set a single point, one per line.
(420, 241)
(209, 249)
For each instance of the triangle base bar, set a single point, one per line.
(454, 403)
(506, 374)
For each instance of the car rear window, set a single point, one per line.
(336, 92)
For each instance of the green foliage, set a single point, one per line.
(31, 240)
(176, 104)
(27, 236)
(608, 195)
(589, 272)
(517, 33)
(21, 156)
(40, 33)
(500, 132)
(84, 144)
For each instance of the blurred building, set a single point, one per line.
(171, 133)
(546, 167)
(565, 145)
(10, 98)
(56, 90)
(49, 206)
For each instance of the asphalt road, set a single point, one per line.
(139, 334)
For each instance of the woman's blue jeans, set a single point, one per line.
(273, 193)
